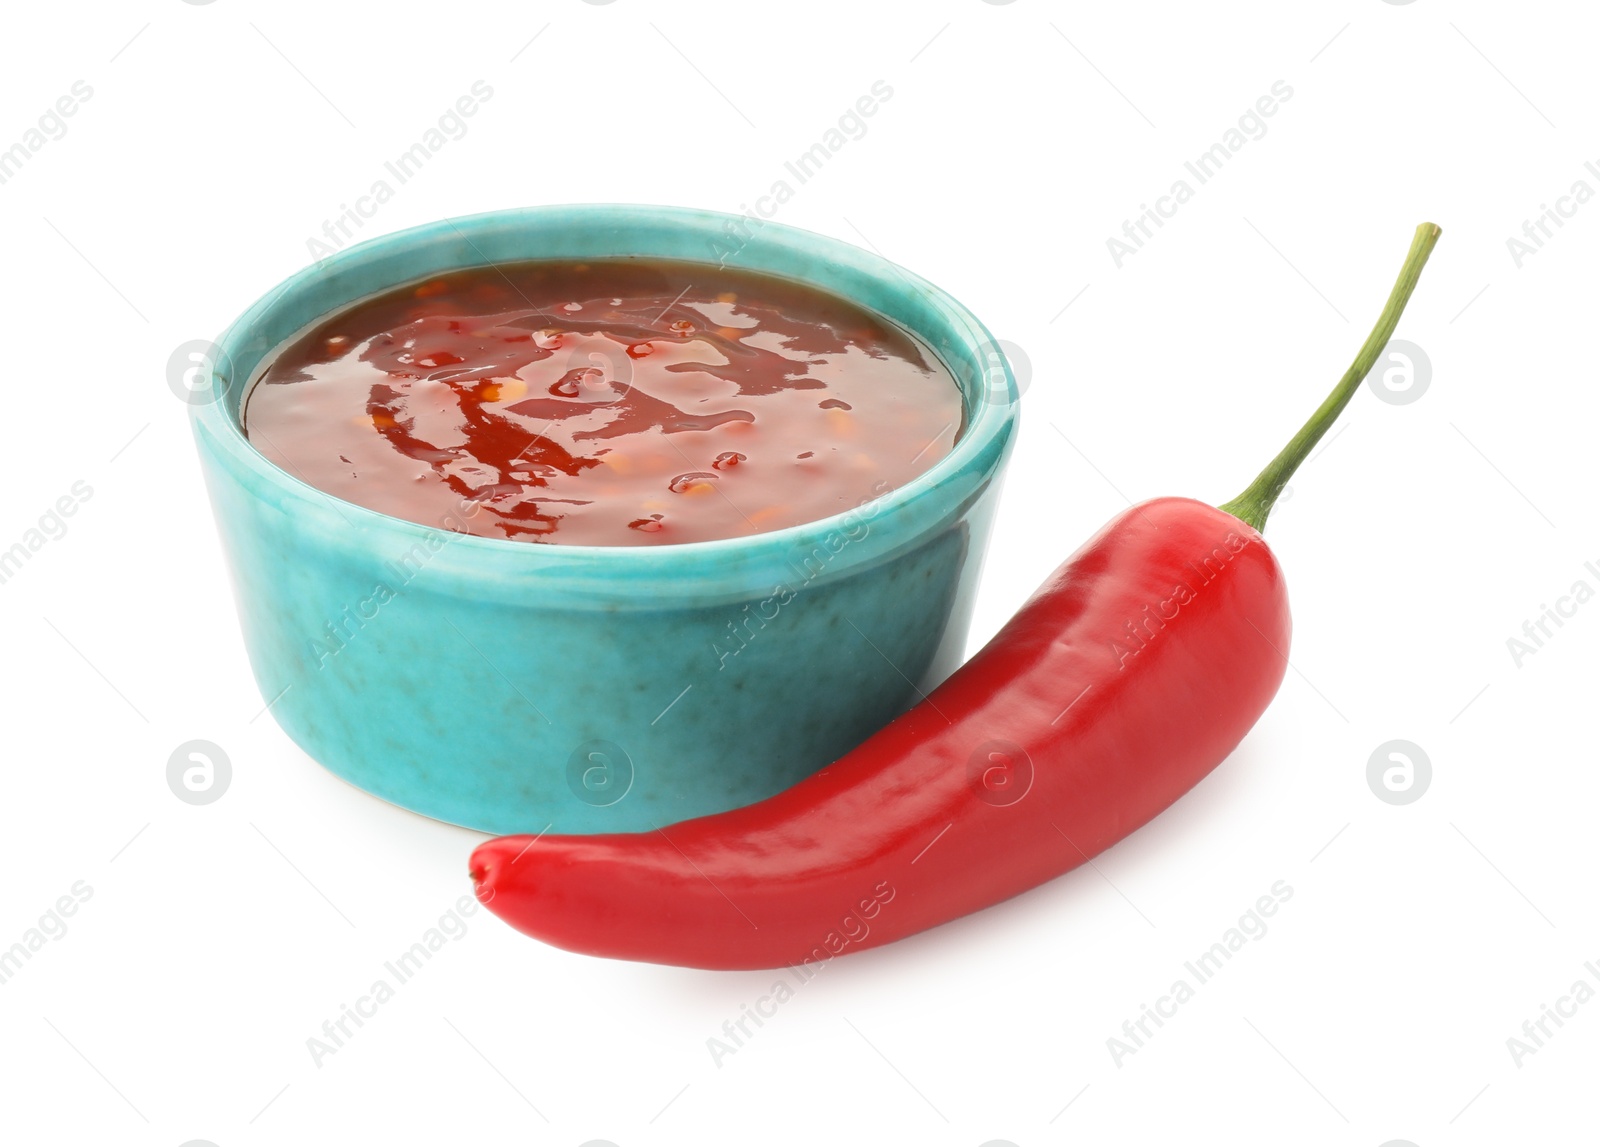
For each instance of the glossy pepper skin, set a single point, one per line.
(1126, 678)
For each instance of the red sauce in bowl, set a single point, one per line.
(610, 403)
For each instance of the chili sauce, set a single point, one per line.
(618, 402)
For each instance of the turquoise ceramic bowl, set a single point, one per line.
(511, 687)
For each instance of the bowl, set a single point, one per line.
(516, 687)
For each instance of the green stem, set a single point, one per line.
(1255, 503)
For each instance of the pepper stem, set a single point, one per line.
(1256, 502)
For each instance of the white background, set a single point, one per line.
(1018, 139)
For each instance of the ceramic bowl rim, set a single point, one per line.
(989, 422)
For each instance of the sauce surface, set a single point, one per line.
(610, 403)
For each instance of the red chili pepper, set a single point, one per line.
(1126, 678)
